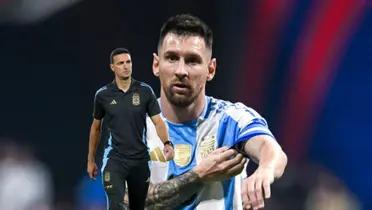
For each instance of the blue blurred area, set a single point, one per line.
(90, 194)
(342, 138)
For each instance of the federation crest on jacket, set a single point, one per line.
(136, 99)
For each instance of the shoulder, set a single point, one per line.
(102, 90)
(145, 87)
(235, 110)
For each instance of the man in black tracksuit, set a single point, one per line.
(124, 104)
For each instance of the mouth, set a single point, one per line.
(125, 71)
(180, 88)
(180, 85)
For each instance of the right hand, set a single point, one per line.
(220, 164)
(256, 188)
(168, 152)
(92, 169)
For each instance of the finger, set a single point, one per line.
(168, 156)
(219, 150)
(232, 162)
(266, 187)
(258, 193)
(237, 169)
(228, 154)
(244, 195)
(170, 153)
(95, 171)
(251, 195)
(247, 207)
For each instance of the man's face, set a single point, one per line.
(184, 65)
(122, 66)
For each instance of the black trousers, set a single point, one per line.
(137, 175)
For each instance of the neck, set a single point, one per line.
(178, 114)
(123, 84)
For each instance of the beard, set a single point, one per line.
(124, 77)
(181, 100)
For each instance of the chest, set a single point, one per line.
(124, 104)
(193, 142)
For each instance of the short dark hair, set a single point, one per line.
(118, 51)
(186, 25)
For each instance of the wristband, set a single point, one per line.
(169, 142)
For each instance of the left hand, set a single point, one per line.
(256, 188)
(219, 165)
(168, 152)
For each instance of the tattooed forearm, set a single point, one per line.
(173, 192)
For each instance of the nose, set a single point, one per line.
(181, 70)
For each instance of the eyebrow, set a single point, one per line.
(187, 54)
(127, 61)
(170, 52)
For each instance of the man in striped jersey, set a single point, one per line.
(202, 129)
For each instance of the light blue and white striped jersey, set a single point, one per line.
(221, 123)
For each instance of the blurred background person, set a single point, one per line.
(329, 193)
(25, 182)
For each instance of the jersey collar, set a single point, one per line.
(201, 117)
(115, 86)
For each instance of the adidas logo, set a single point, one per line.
(113, 102)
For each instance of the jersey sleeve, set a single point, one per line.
(98, 110)
(254, 127)
(152, 105)
(247, 123)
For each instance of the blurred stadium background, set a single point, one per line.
(305, 65)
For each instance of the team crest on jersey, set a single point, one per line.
(136, 99)
(182, 154)
(206, 146)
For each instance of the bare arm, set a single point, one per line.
(160, 127)
(218, 165)
(94, 138)
(162, 131)
(271, 161)
(169, 194)
(265, 151)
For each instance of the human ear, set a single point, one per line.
(112, 67)
(155, 64)
(211, 69)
